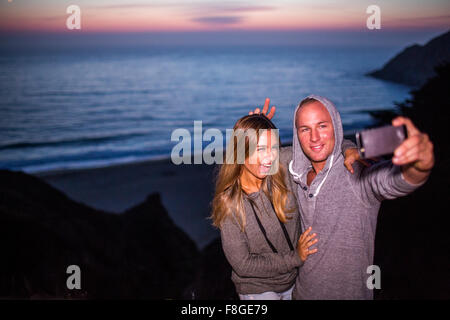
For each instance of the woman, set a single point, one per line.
(257, 214)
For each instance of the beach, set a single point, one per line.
(186, 191)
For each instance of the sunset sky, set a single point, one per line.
(120, 16)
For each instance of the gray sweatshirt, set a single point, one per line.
(255, 267)
(342, 209)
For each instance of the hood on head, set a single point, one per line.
(300, 163)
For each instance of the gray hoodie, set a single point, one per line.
(342, 209)
(255, 267)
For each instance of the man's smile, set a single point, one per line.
(317, 148)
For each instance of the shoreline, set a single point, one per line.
(61, 171)
(90, 164)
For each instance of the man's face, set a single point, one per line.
(315, 131)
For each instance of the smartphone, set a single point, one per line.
(380, 141)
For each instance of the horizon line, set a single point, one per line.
(237, 30)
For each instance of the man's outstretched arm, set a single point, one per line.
(405, 173)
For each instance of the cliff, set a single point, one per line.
(138, 254)
(415, 64)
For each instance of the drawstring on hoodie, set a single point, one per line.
(323, 181)
(296, 175)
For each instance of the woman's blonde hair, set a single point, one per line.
(228, 197)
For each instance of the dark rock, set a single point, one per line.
(415, 64)
(412, 244)
(158, 250)
(213, 278)
(139, 254)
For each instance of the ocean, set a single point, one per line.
(78, 108)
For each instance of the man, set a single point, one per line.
(340, 208)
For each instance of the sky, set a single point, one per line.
(414, 18)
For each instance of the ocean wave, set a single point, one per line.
(89, 93)
(72, 141)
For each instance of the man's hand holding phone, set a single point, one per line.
(412, 149)
(415, 154)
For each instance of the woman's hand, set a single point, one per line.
(264, 110)
(304, 243)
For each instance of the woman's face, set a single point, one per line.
(264, 160)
